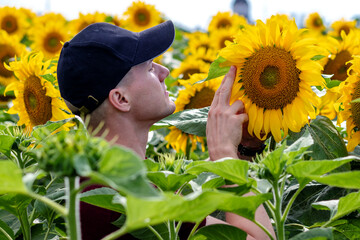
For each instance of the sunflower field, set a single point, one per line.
(300, 87)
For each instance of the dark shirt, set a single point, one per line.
(96, 222)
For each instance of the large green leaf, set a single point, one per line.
(169, 181)
(102, 197)
(219, 231)
(348, 204)
(191, 121)
(328, 143)
(230, 169)
(11, 178)
(305, 171)
(123, 170)
(315, 234)
(341, 179)
(299, 147)
(193, 207)
(6, 143)
(5, 231)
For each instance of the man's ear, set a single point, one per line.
(118, 99)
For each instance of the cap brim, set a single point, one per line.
(154, 41)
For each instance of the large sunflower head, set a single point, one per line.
(48, 37)
(193, 96)
(226, 20)
(13, 21)
(315, 22)
(342, 25)
(37, 100)
(350, 111)
(190, 66)
(274, 77)
(85, 20)
(140, 16)
(9, 49)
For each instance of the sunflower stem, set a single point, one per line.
(272, 144)
(188, 149)
(72, 205)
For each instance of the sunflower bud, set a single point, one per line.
(72, 153)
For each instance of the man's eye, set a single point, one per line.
(152, 69)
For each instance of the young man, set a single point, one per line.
(108, 72)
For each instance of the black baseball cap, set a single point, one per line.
(98, 57)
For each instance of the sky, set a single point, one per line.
(196, 14)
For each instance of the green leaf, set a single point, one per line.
(206, 180)
(193, 207)
(348, 230)
(102, 197)
(42, 131)
(191, 121)
(330, 205)
(215, 69)
(169, 181)
(11, 178)
(315, 234)
(347, 204)
(230, 169)
(305, 171)
(6, 143)
(317, 57)
(297, 149)
(328, 144)
(123, 170)
(219, 231)
(275, 161)
(50, 77)
(333, 83)
(5, 231)
(357, 100)
(341, 179)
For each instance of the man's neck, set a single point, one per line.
(126, 133)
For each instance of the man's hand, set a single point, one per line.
(224, 128)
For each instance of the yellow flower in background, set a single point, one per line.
(274, 77)
(226, 20)
(350, 111)
(85, 20)
(13, 21)
(37, 100)
(190, 66)
(197, 40)
(205, 55)
(342, 25)
(48, 18)
(193, 96)
(340, 52)
(140, 16)
(219, 37)
(48, 38)
(30, 15)
(10, 47)
(315, 22)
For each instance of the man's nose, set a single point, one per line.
(163, 73)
